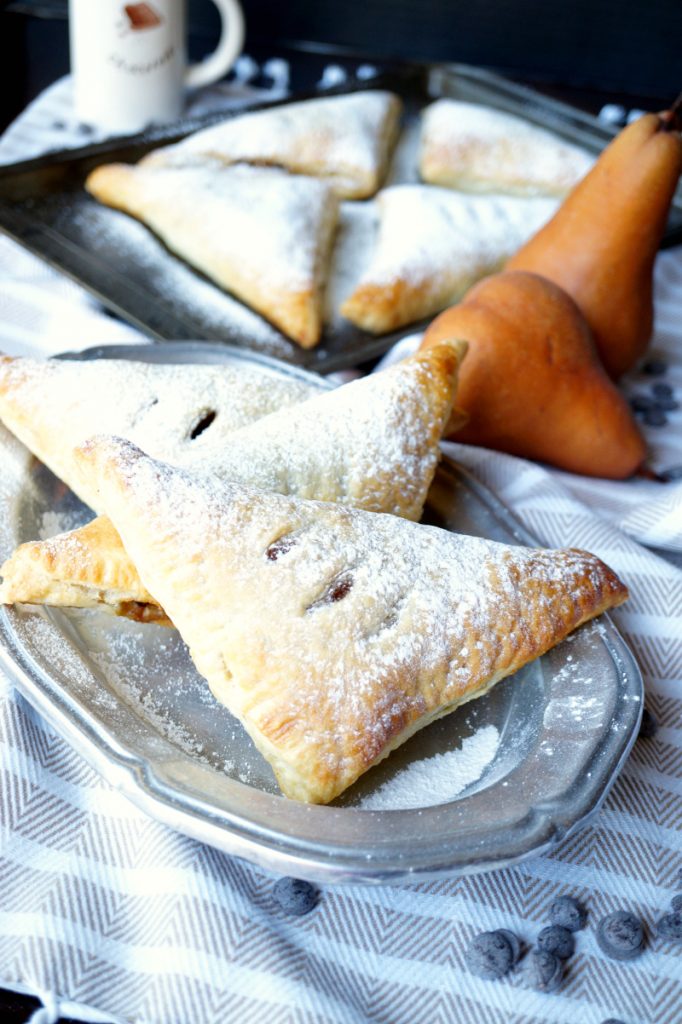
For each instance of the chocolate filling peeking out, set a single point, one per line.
(336, 591)
(339, 589)
(203, 424)
(279, 547)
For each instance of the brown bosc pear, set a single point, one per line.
(532, 383)
(601, 243)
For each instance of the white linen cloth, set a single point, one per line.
(101, 907)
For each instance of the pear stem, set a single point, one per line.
(671, 119)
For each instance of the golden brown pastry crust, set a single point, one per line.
(372, 444)
(333, 633)
(260, 233)
(54, 405)
(432, 245)
(86, 568)
(346, 140)
(474, 148)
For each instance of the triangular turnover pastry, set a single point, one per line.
(85, 568)
(345, 139)
(476, 148)
(181, 413)
(432, 245)
(332, 633)
(372, 444)
(258, 232)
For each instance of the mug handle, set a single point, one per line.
(229, 47)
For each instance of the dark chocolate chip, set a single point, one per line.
(85, 129)
(294, 896)
(612, 1020)
(655, 418)
(513, 941)
(667, 404)
(557, 940)
(620, 935)
(673, 473)
(670, 926)
(545, 970)
(642, 403)
(676, 904)
(567, 912)
(489, 955)
(655, 367)
(649, 726)
(662, 390)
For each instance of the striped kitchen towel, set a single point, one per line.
(102, 907)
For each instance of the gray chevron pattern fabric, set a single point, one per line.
(101, 905)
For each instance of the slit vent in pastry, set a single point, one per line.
(326, 688)
(371, 444)
(54, 405)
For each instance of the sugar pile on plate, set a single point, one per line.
(437, 779)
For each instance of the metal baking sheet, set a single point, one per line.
(128, 697)
(43, 206)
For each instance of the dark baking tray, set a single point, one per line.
(44, 207)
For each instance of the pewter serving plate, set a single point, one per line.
(128, 697)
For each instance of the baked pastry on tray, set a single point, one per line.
(346, 140)
(332, 633)
(432, 245)
(180, 413)
(371, 444)
(475, 148)
(258, 232)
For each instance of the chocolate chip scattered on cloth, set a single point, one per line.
(103, 905)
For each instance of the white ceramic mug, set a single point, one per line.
(128, 60)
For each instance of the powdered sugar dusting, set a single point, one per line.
(14, 460)
(438, 779)
(211, 311)
(577, 704)
(378, 449)
(343, 138)
(236, 224)
(353, 248)
(471, 146)
(429, 618)
(53, 523)
(158, 407)
(441, 242)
